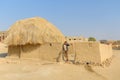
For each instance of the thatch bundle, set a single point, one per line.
(33, 31)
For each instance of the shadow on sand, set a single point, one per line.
(89, 68)
(3, 55)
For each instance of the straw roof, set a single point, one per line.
(33, 31)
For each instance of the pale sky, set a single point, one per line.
(96, 18)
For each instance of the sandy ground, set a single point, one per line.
(35, 70)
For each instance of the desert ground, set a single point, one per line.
(16, 69)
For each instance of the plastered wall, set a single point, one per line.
(90, 51)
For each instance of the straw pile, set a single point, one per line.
(33, 31)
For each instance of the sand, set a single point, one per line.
(14, 69)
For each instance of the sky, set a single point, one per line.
(88, 18)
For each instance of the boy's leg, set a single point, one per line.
(66, 55)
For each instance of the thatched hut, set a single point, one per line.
(34, 38)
